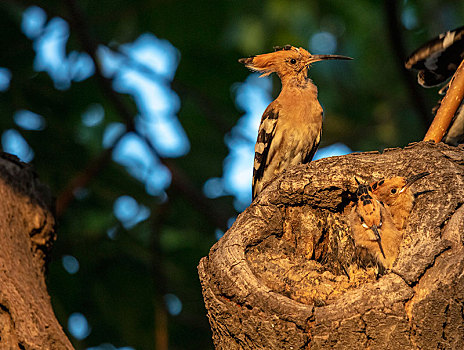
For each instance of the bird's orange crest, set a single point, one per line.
(284, 60)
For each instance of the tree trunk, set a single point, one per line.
(286, 275)
(27, 231)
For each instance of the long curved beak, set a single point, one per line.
(317, 58)
(376, 232)
(414, 178)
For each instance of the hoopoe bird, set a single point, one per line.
(373, 228)
(291, 126)
(436, 61)
(397, 195)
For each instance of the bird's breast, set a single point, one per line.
(301, 120)
(296, 138)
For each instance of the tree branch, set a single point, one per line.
(289, 268)
(448, 107)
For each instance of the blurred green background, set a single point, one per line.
(142, 122)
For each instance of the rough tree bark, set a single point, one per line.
(278, 279)
(27, 231)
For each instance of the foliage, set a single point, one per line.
(128, 270)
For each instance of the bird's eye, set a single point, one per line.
(393, 190)
(293, 61)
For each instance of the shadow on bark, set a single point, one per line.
(286, 275)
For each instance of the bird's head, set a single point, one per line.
(392, 188)
(389, 189)
(285, 61)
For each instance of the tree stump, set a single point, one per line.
(27, 231)
(286, 274)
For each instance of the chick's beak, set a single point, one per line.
(414, 178)
(377, 234)
(374, 228)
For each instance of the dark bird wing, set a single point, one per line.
(438, 59)
(263, 145)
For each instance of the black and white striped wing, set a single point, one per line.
(263, 145)
(438, 59)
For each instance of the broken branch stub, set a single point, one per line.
(287, 274)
